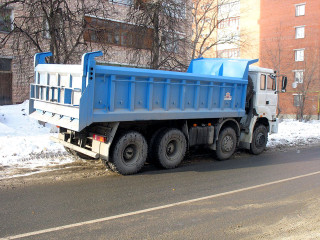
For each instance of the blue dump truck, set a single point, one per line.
(127, 116)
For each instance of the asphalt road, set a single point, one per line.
(233, 199)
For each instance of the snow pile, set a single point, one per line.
(25, 147)
(25, 144)
(295, 133)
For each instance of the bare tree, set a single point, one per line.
(306, 83)
(54, 25)
(275, 56)
(7, 3)
(209, 18)
(57, 26)
(206, 19)
(167, 22)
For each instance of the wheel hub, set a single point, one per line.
(170, 148)
(260, 140)
(227, 144)
(129, 153)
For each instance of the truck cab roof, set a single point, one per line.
(260, 69)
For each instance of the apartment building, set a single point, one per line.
(290, 43)
(284, 35)
(99, 25)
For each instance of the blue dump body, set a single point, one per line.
(75, 96)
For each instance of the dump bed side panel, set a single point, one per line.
(126, 94)
(75, 96)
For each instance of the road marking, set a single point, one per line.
(99, 220)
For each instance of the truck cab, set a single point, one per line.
(265, 86)
(262, 108)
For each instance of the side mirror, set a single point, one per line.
(284, 83)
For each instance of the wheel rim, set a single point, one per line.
(130, 153)
(171, 149)
(260, 140)
(227, 144)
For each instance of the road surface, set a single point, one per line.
(273, 195)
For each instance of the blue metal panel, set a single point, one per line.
(237, 68)
(212, 88)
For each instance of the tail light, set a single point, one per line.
(99, 138)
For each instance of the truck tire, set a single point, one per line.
(259, 139)
(128, 153)
(226, 143)
(151, 148)
(169, 148)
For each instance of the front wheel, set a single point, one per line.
(128, 153)
(226, 143)
(259, 140)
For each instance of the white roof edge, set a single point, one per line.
(260, 69)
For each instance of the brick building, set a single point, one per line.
(290, 43)
(70, 32)
(284, 35)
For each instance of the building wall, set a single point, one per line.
(278, 43)
(250, 29)
(22, 69)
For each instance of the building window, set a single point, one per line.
(46, 30)
(5, 20)
(107, 31)
(300, 9)
(5, 64)
(228, 9)
(229, 53)
(123, 2)
(175, 8)
(296, 100)
(299, 55)
(229, 23)
(299, 32)
(298, 76)
(172, 42)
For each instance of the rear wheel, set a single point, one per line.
(169, 148)
(226, 143)
(128, 153)
(151, 145)
(259, 139)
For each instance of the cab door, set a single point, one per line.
(268, 97)
(271, 94)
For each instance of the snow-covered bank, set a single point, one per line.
(25, 147)
(295, 133)
(25, 144)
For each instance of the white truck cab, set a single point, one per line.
(262, 108)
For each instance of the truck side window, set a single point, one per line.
(263, 82)
(271, 84)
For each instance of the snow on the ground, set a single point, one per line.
(295, 133)
(25, 147)
(25, 144)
